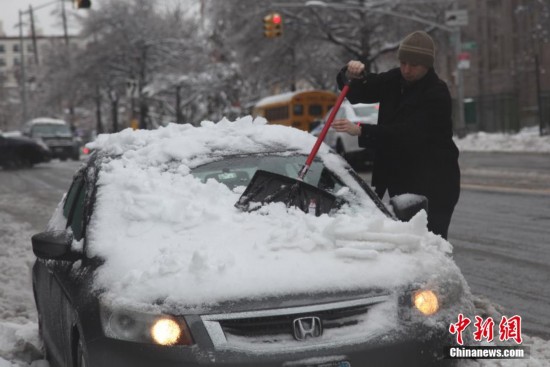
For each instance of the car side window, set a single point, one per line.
(73, 208)
(71, 196)
(77, 218)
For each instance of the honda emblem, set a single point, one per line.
(305, 327)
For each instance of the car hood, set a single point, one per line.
(207, 251)
(20, 140)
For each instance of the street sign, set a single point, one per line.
(464, 60)
(132, 88)
(456, 18)
(471, 45)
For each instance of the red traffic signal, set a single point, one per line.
(273, 25)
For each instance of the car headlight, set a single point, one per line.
(144, 327)
(425, 301)
(166, 332)
(42, 144)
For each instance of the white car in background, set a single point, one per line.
(345, 144)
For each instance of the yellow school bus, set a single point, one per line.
(298, 109)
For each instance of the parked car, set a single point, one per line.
(57, 135)
(147, 261)
(345, 144)
(17, 151)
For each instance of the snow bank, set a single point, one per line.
(527, 140)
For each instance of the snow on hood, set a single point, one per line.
(166, 235)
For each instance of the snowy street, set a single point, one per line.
(27, 198)
(354, 183)
(499, 232)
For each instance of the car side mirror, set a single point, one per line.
(406, 206)
(54, 245)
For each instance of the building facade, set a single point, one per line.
(16, 52)
(507, 86)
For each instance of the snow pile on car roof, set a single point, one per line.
(166, 235)
(195, 145)
(47, 120)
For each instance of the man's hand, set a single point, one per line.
(346, 126)
(355, 69)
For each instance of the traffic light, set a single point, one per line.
(82, 4)
(273, 25)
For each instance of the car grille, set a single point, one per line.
(283, 324)
(268, 330)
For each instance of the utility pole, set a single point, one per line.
(33, 34)
(24, 112)
(460, 125)
(64, 18)
(68, 60)
(539, 95)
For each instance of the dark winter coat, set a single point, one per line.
(413, 147)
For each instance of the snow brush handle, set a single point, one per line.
(323, 133)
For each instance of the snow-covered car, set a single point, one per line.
(17, 151)
(148, 262)
(346, 144)
(57, 135)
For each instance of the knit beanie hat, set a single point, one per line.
(417, 48)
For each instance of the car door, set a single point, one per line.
(6, 152)
(55, 283)
(3, 150)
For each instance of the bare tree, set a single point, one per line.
(316, 41)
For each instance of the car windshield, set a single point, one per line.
(365, 111)
(239, 170)
(51, 130)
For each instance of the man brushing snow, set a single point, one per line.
(413, 147)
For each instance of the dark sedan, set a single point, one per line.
(20, 152)
(148, 262)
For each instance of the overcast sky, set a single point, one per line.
(47, 18)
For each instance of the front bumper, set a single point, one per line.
(62, 151)
(107, 352)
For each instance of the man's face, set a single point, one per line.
(413, 72)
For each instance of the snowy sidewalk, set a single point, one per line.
(526, 141)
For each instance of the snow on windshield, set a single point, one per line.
(168, 235)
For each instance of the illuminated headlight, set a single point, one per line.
(425, 301)
(143, 327)
(166, 332)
